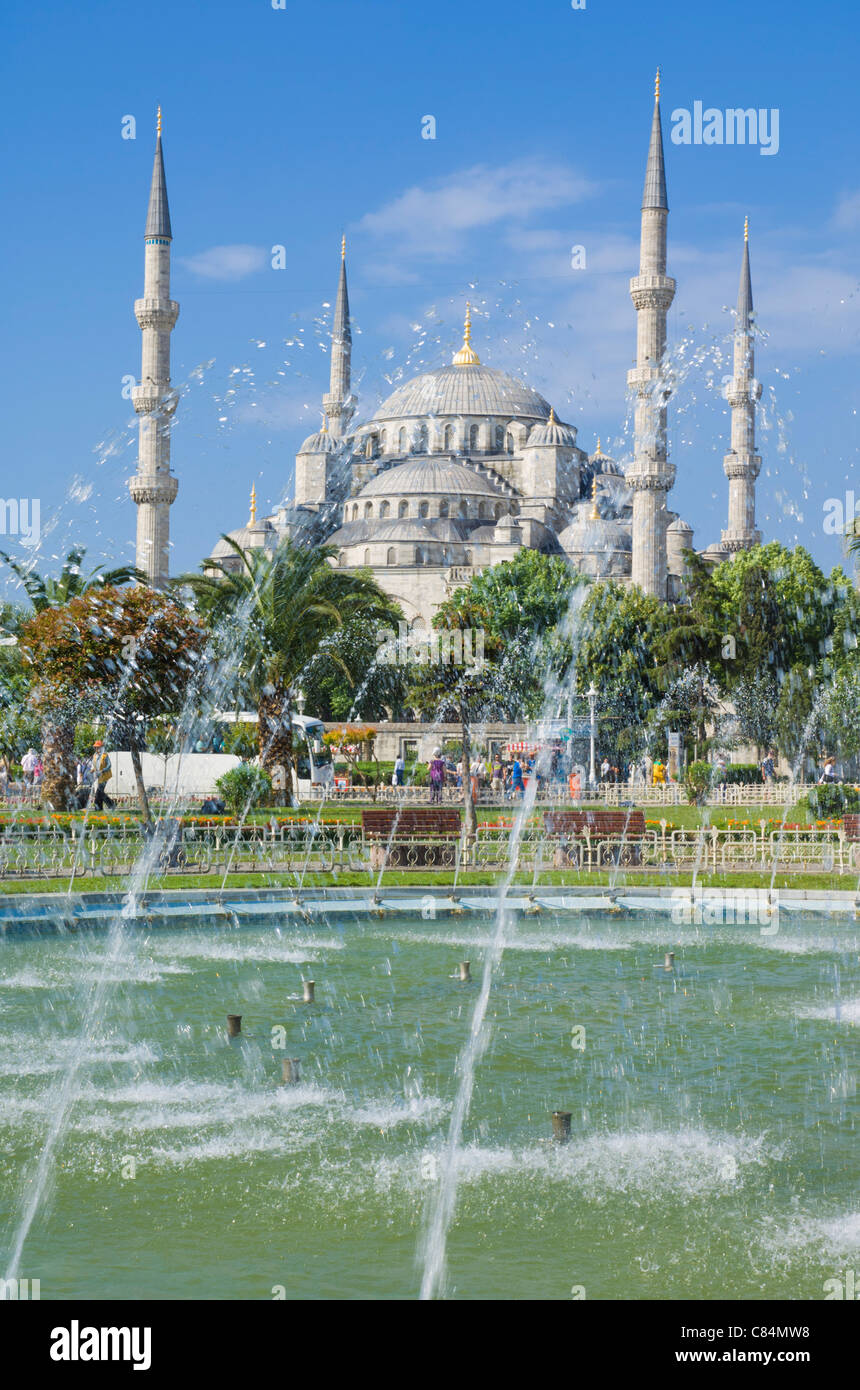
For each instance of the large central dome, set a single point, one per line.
(464, 390)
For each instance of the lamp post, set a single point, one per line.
(300, 701)
(591, 695)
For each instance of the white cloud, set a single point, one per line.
(847, 214)
(226, 262)
(432, 220)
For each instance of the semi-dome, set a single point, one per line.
(553, 432)
(319, 443)
(427, 476)
(464, 389)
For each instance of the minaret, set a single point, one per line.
(153, 488)
(742, 464)
(337, 403)
(650, 476)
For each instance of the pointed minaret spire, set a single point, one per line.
(654, 194)
(336, 402)
(158, 213)
(153, 487)
(742, 464)
(650, 475)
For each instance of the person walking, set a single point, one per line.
(399, 770)
(768, 767)
(436, 768)
(721, 776)
(29, 763)
(517, 785)
(497, 783)
(828, 774)
(102, 773)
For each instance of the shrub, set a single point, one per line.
(697, 782)
(243, 787)
(831, 802)
(743, 774)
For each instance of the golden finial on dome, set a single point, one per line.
(552, 419)
(467, 356)
(595, 514)
(746, 229)
(158, 124)
(657, 86)
(253, 517)
(343, 247)
(598, 447)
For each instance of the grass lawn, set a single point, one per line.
(396, 879)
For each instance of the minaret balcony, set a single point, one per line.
(742, 465)
(153, 487)
(652, 291)
(160, 314)
(150, 400)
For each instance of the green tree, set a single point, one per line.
(277, 607)
(123, 655)
(46, 592)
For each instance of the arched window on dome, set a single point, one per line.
(419, 555)
(368, 510)
(421, 439)
(482, 511)
(391, 557)
(367, 557)
(371, 445)
(403, 509)
(500, 438)
(355, 511)
(463, 508)
(473, 438)
(443, 508)
(468, 558)
(383, 441)
(497, 510)
(384, 509)
(424, 508)
(401, 440)
(449, 438)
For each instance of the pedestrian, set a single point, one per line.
(604, 770)
(497, 782)
(828, 774)
(436, 768)
(721, 776)
(768, 767)
(102, 773)
(29, 763)
(4, 777)
(399, 770)
(517, 786)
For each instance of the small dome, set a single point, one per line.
(257, 535)
(319, 443)
(679, 526)
(426, 477)
(589, 535)
(553, 432)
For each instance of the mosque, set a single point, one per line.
(464, 465)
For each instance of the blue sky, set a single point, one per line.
(289, 126)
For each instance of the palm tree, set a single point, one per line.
(44, 591)
(284, 603)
